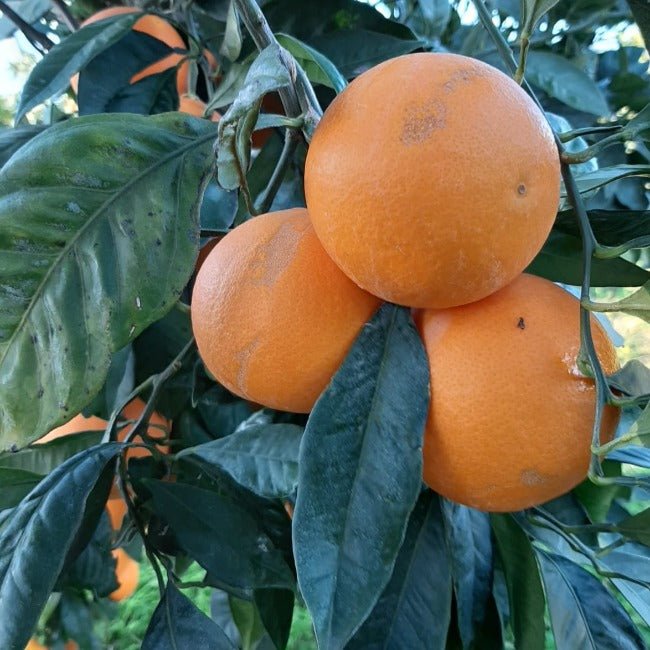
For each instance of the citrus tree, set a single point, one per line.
(279, 300)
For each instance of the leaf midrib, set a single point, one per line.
(117, 195)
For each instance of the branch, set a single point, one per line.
(66, 15)
(39, 40)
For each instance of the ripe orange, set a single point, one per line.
(272, 315)
(33, 644)
(510, 419)
(117, 509)
(432, 180)
(194, 106)
(127, 572)
(158, 28)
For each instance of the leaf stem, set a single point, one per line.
(39, 40)
(567, 136)
(523, 53)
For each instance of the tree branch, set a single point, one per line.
(39, 40)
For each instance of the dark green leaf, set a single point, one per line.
(561, 79)
(430, 18)
(633, 378)
(263, 459)
(13, 139)
(15, 484)
(353, 51)
(53, 72)
(248, 622)
(636, 304)
(232, 37)
(636, 528)
(470, 549)
(177, 624)
(318, 67)
(611, 227)
(605, 175)
(95, 568)
(100, 251)
(532, 12)
(267, 74)
(560, 260)
(641, 13)
(583, 613)
(275, 607)
(360, 474)
(104, 84)
(39, 536)
(224, 539)
(414, 608)
(76, 620)
(44, 458)
(525, 592)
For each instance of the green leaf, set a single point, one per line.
(415, 607)
(275, 607)
(263, 459)
(95, 568)
(105, 241)
(224, 539)
(267, 74)
(523, 581)
(29, 10)
(611, 227)
(636, 528)
(532, 12)
(248, 622)
(639, 432)
(52, 73)
(318, 67)
(354, 51)
(605, 175)
(560, 260)
(636, 304)
(13, 139)
(39, 535)
(105, 83)
(633, 378)
(467, 532)
(641, 13)
(561, 79)
(360, 474)
(583, 613)
(177, 623)
(232, 38)
(15, 485)
(430, 18)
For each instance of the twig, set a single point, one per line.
(266, 197)
(39, 40)
(66, 15)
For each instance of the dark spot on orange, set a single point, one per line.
(521, 324)
(521, 189)
(422, 121)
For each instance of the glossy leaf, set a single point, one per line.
(525, 593)
(99, 252)
(467, 532)
(560, 78)
(605, 175)
(177, 623)
(611, 227)
(360, 474)
(636, 527)
(318, 67)
(275, 607)
(583, 613)
(15, 485)
(414, 609)
(13, 139)
(560, 260)
(354, 51)
(39, 535)
(52, 73)
(632, 379)
(532, 11)
(636, 568)
(263, 459)
(636, 304)
(267, 74)
(105, 82)
(224, 539)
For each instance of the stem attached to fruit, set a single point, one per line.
(589, 247)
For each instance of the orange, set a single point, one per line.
(158, 28)
(33, 644)
(432, 180)
(194, 106)
(127, 572)
(117, 509)
(272, 315)
(510, 420)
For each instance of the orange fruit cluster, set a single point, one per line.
(437, 199)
